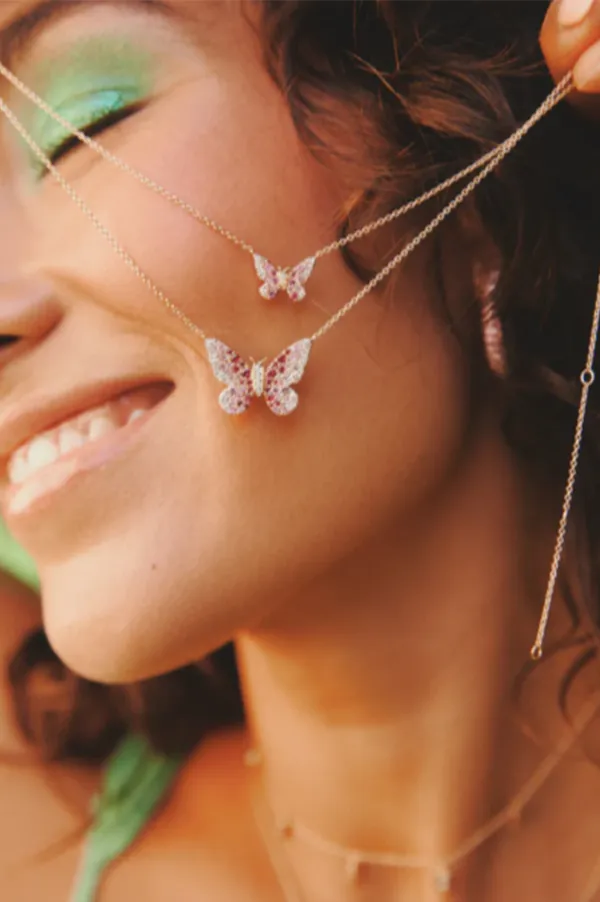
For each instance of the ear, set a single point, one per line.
(486, 264)
(485, 281)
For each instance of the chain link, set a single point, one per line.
(586, 378)
(560, 91)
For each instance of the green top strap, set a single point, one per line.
(14, 560)
(136, 781)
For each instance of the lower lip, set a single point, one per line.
(22, 500)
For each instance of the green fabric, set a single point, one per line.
(136, 781)
(15, 561)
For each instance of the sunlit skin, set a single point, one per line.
(40, 805)
(361, 551)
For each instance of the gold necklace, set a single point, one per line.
(274, 380)
(275, 831)
(289, 279)
(245, 380)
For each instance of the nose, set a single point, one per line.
(28, 313)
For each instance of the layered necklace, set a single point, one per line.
(275, 379)
(271, 379)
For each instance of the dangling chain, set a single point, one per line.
(587, 377)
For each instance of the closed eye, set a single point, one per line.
(72, 142)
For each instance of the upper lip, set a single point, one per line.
(22, 421)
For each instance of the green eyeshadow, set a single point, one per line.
(85, 83)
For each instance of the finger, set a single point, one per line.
(570, 38)
(586, 74)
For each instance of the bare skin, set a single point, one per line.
(380, 610)
(42, 807)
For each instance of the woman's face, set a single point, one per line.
(159, 540)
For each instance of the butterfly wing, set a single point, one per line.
(298, 277)
(268, 274)
(284, 371)
(231, 369)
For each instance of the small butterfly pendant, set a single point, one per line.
(247, 380)
(275, 280)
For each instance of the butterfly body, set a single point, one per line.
(291, 280)
(273, 381)
(257, 378)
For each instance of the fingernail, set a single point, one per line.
(572, 12)
(586, 73)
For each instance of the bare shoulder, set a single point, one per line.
(212, 786)
(205, 835)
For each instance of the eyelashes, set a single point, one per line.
(108, 112)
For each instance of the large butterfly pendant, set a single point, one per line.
(247, 380)
(275, 280)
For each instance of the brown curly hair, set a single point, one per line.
(399, 95)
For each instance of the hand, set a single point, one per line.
(570, 39)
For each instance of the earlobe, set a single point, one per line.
(485, 281)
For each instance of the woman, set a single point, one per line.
(381, 556)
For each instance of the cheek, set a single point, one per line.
(231, 519)
(237, 160)
(222, 518)
(383, 415)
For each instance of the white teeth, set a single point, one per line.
(47, 448)
(42, 452)
(18, 469)
(101, 426)
(69, 439)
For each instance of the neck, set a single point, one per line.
(382, 706)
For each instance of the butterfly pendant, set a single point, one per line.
(247, 380)
(275, 280)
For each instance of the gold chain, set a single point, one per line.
(497, 153)
(555, 97)
(99, 225)
(511, 813)
(488, 161)
(493, 159)
(121, 164)
(586, 378)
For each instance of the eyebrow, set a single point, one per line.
(18, 32)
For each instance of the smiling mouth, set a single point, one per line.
(61, 451)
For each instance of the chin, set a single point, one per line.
(123, 620)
